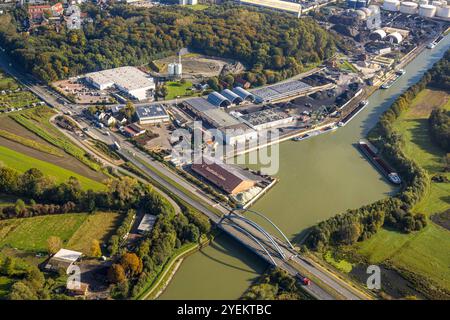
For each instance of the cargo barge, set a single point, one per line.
(372, 154)
(353, 114)
(306, 135)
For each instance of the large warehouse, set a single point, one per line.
(233, 130)
(231, 179)
(129, 80)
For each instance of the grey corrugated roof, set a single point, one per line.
(217, 99)
(230, 95)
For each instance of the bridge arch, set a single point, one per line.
(232, 215)
(257, 241)
(268, 220)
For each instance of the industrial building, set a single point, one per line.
(63, 259)
(218, 100)
(229, 178)
(129, 80)
(280, 91)
(147, 223)
(231, 96)
(244, 94)
(233, 130)
(266, 119)
(151, 114)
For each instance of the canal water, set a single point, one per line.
(318, 178)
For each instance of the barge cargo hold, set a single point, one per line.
(372, 154)
(353, 114)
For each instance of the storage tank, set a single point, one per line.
(178, 69)
(408, 7)
(395, 37)
(367, 11)
(391, 5)
(361, 14)
(422, 2)
(427, 10)
(374, 9)
(351, 4)
(171, 69)
(379, 34)
(361, 4)
(437, 3)
(443, 12)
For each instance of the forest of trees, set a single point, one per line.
(395, 212)
(439, 122)
(273, 45)
(275, 284)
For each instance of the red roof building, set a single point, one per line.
(231, 179)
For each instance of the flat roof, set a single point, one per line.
(129, 78)
(213, 114)
(155, 110)
(264, 116)
(67, 255)
(147, 222)
(281, 90)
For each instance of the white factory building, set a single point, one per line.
(129, 80)
(151, 114)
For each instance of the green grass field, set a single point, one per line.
(37, 120)
(176, 88)
(425, 253)
(76, 230)
(22, 162)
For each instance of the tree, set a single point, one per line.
(116, 273)
(96, 251)
(54, 244)
(8, 266)
(129, 110)
(20, 207)
(131, 263)
(21, 291)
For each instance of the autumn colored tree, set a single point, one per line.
(116, 274)
(96, 251)
(131, 263)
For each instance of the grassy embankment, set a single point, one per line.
(37, 120)
(424, 253)
(76, 230)
(22, 162)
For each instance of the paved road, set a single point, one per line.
(246, 234)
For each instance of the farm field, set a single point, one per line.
(41, 149)
(22, 162)
(425, 253)
(76, 230)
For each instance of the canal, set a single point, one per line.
(318, 178)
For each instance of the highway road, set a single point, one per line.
(251, 237)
